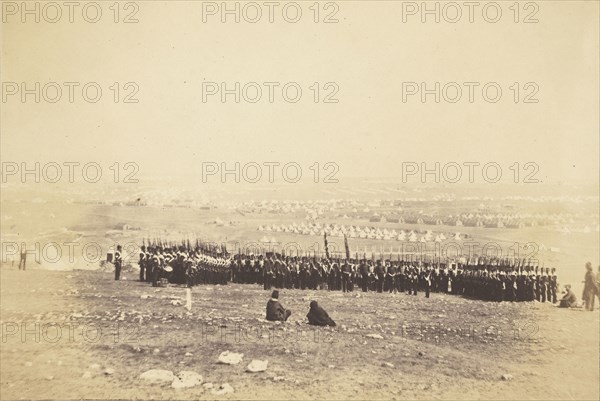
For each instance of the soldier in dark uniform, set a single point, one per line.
(414, 281)
(426, 280)
(303, 274)
(346, 276)
(337, 276)
(390, 278)
(23, 259)
(269, 274)
(156, 267)
(364, 273)
(553, 286)
(118, 263)
(142, 262)
(379, 276)
(148, 264)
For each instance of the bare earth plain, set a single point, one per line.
(81, 335)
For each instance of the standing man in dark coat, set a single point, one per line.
(142, 263)
(390, 278)
(379, 276)
(118, 263)
(426, 279)
(23, 259)
(589, 287)
(346, 272)
(275, 311)
(317, 316)
(364, 273)
(268, 274)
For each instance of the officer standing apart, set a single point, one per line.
(118, 263)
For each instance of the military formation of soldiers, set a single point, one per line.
(183, 264)
(485, 279)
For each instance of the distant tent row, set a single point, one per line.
(333, 230)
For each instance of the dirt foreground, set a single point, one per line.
(81, 335)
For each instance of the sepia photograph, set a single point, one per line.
(300, 200)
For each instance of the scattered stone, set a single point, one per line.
(230, 358)
(421, 353)
(186, 379)
(257, 366)
(189, 354)
(86, 375)
(225, 388)
(49, 377)
(208, 386)
(388, 365)
(507, 377)
(176, 302)
(145, 296)
(109, 371)
(28, 364)
(331, 366)
(156, 350)
(158, 376)
(376, 336)
(94, 366)
(278, 378)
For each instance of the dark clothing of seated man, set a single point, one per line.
(317, 316)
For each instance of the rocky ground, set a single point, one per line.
(82, 335)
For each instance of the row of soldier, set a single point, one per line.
(192, 266)
(487, 282)
(182, 265)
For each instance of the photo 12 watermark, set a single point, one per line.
(470, 92)
(270, 92)
(69, 172)
(270, 172)
(272, 12)
(69, 92)
(470, 12)
(470, 172)
(70, 12)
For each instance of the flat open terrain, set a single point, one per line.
(88, 323)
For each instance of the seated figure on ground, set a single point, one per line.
(275, 311)
(317, 316)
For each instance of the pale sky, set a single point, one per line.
(368, 54)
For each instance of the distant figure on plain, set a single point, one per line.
(317, 316)
(569, 300)
(23, 259)
(118, 263)
(590, 287)
(275, 311)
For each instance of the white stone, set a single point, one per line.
(187, 379)
(230, 358)
(158, 376)
(257, 366)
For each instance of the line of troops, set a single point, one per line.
(183, 265)
(481, 281)
(489, 281)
